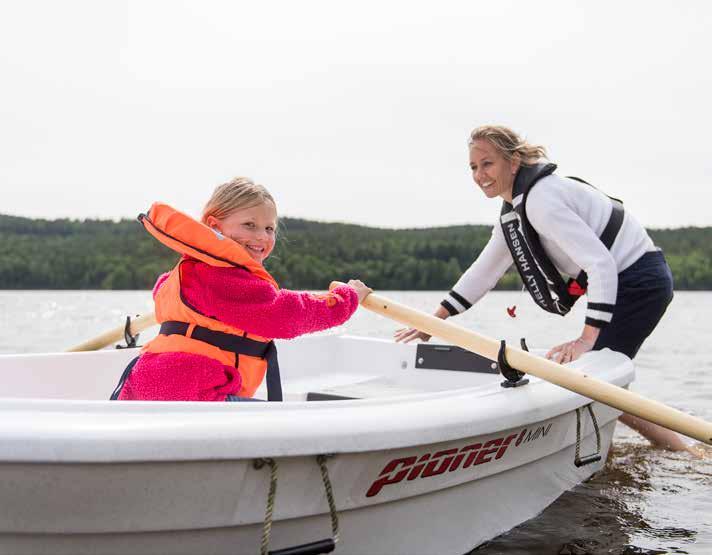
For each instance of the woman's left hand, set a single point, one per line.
(570, 351)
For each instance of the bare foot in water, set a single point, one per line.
(699, 450)
(662, 437)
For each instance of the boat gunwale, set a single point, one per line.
(58, 430)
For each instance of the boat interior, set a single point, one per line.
(317, 368)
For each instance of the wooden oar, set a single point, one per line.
(112, 336)
(548, 370)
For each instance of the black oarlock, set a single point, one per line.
(128, 337)
(514, 378)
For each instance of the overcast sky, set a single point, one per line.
(349, 111)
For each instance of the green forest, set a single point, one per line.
(97, 254)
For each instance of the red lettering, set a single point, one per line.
(385, 479)
(433, 468)
(418, 467)
(475, 447)
(481, 457)
(506, 443)
(461, 455)
(428, 464)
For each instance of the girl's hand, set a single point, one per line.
(406, 335)
(361, 289)
(568, 352)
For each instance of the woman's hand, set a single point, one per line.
(570, 351)
(567, 352)
(406, 335)
(361, 289)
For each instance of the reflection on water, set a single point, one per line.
(611, 513)
(645, 501)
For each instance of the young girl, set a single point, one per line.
(219, 309)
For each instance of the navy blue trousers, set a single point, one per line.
(645, 290)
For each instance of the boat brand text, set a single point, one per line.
(450, 460)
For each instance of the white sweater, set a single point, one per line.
(569, 217)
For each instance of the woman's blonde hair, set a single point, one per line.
(236, 194)
(508, 143)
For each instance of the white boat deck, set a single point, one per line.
(391, 372)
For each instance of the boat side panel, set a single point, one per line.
(154, 496)
(449, 521)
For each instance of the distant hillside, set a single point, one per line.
(95, 254)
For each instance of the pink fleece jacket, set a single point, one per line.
(236, 297)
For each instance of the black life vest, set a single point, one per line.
(540, 276)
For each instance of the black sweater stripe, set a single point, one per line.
(460, 299)
(603, 307)
(451, 309)
(596, 323)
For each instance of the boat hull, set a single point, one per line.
(218, 506)
(413, 470)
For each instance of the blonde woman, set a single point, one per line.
(566, 238)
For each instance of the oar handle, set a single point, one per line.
(112, 336)
(548, 370)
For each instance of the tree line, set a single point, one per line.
(99, 254)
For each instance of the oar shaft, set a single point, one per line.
(112, 336)
(548, 370)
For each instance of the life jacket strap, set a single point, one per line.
(610, 232)
(122, 380)
(577, 286)
(234, 344)
(540, 276)
(223, 341)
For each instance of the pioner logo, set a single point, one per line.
(449, 460)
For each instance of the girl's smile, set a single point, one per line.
(254, 228)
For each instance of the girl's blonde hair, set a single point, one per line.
(508, 143)
(236, 194)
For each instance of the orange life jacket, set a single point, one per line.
(183, 328)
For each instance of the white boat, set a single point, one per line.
(428, 453)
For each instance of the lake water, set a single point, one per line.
(645, 501)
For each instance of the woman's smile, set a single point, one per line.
(492, 172)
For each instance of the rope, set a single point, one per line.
(321, 459)
(578, 435)
(578, 431)
(595, 427)
(269, 512)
